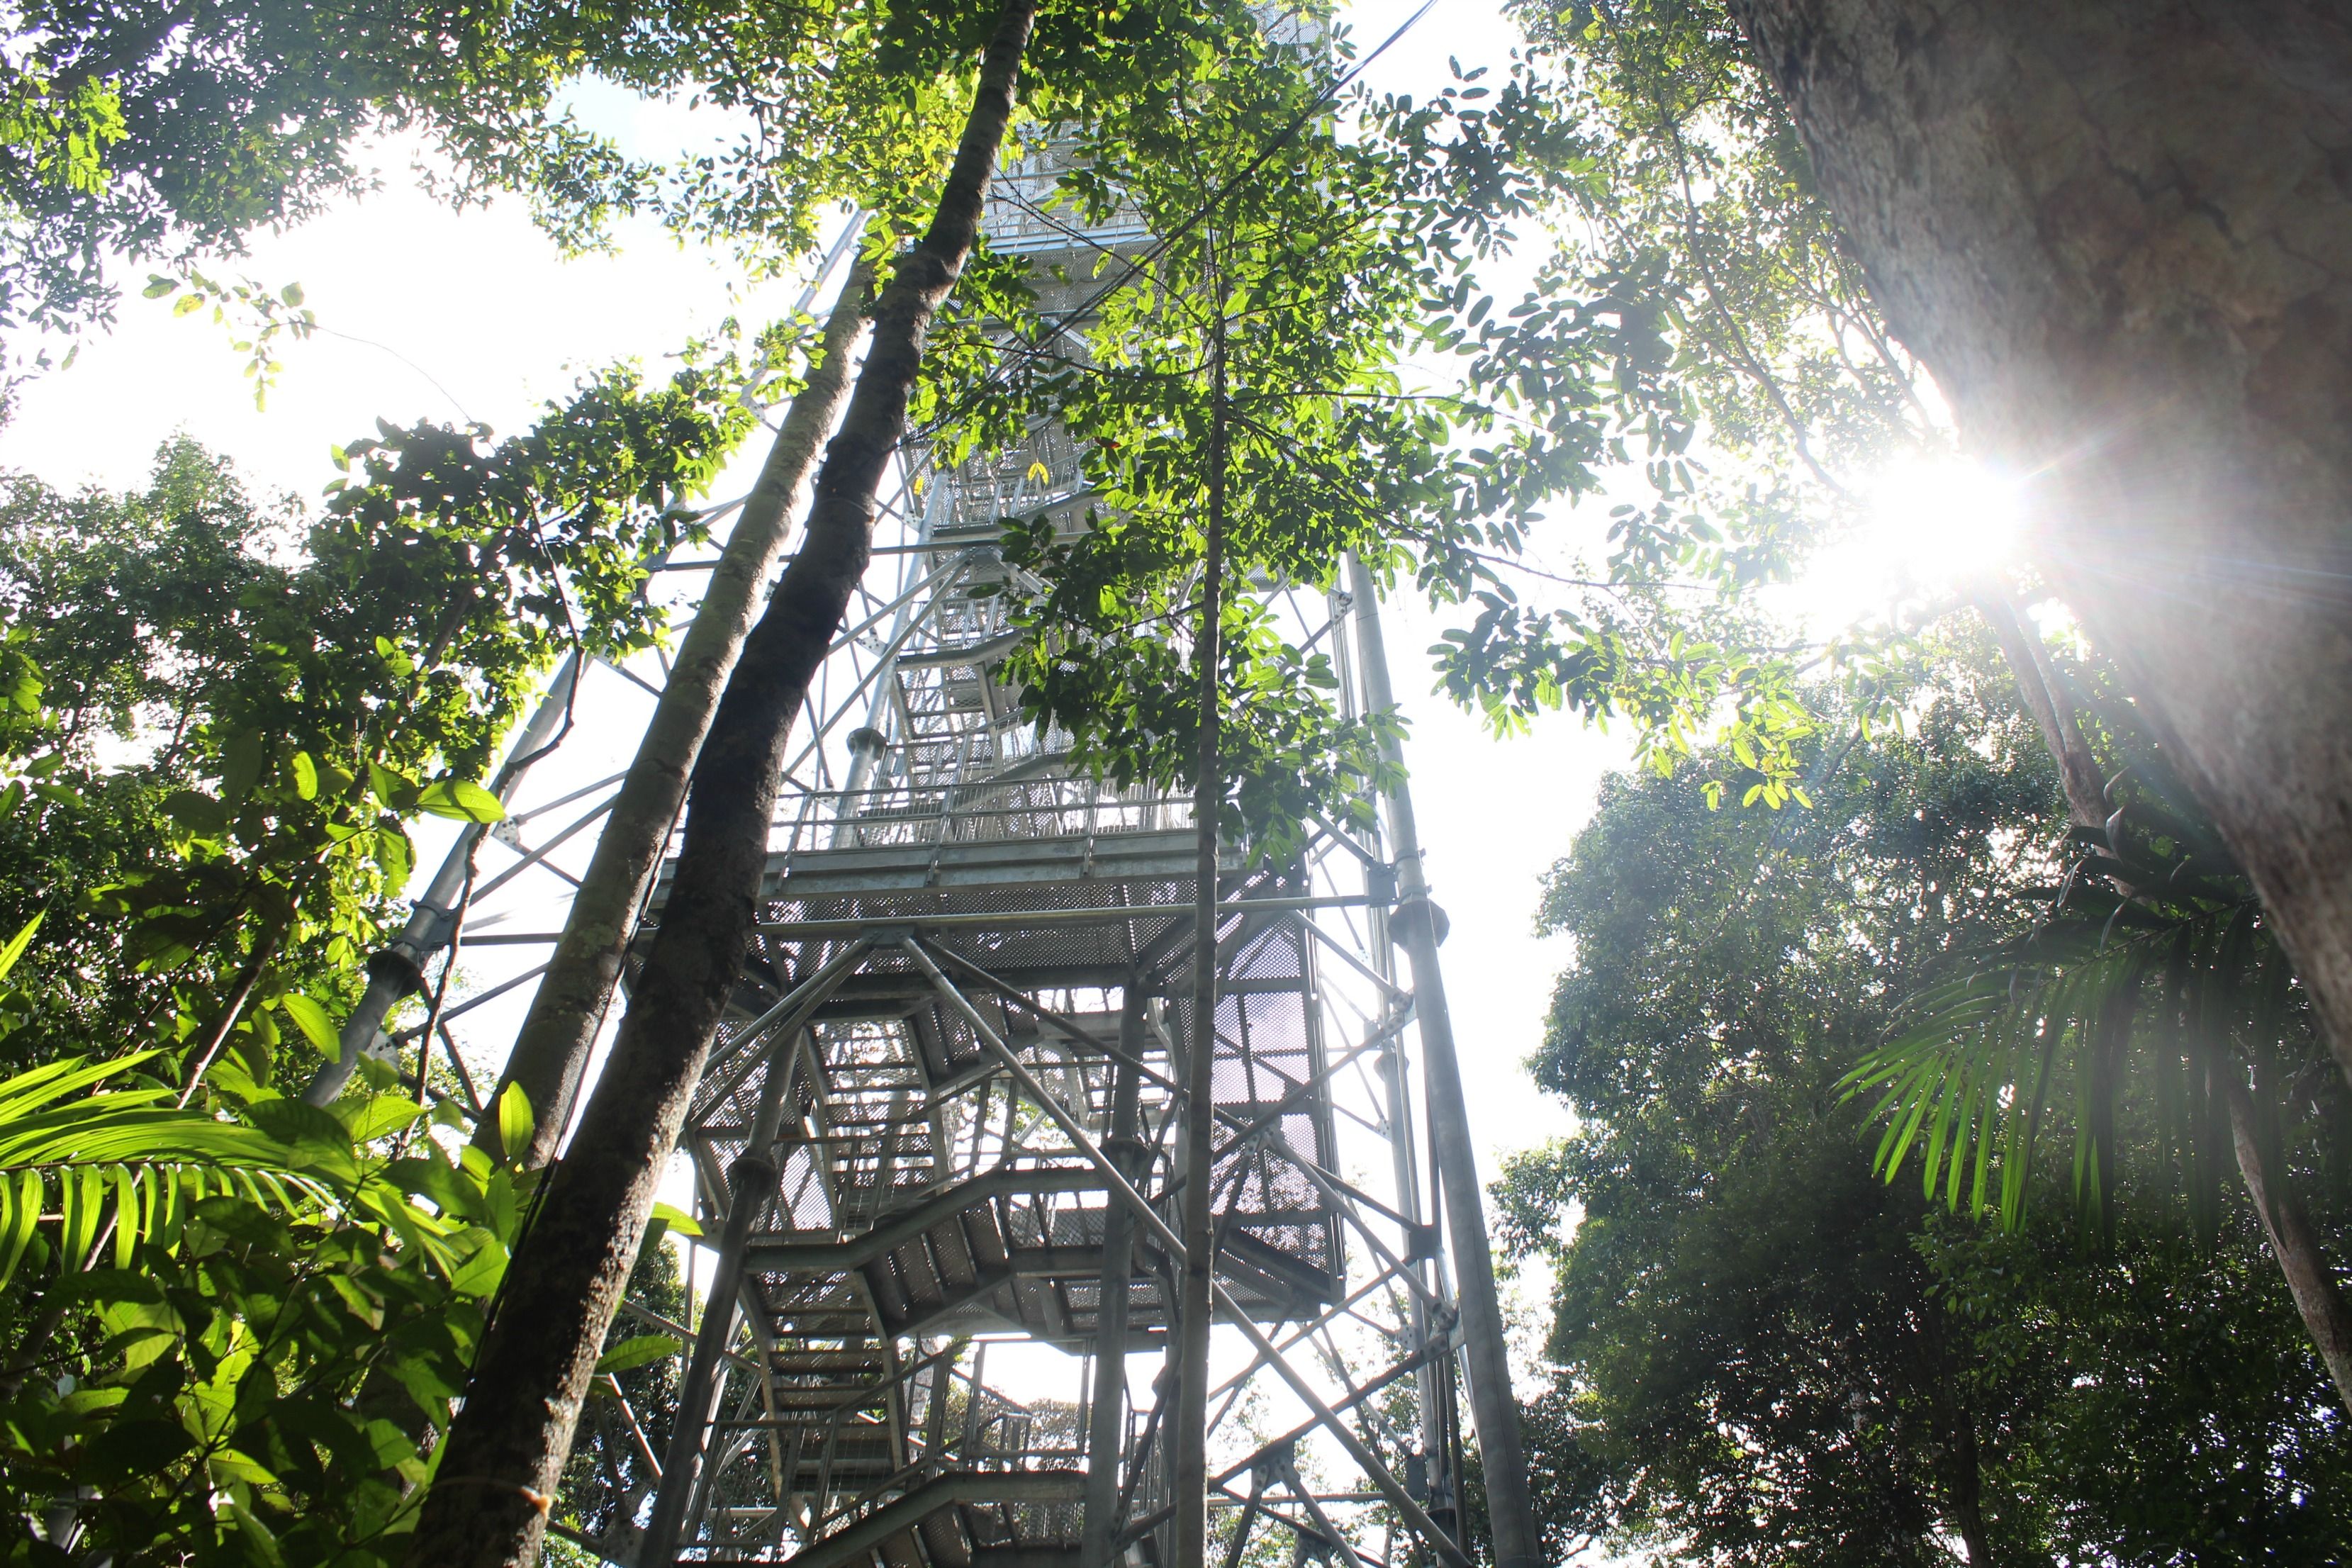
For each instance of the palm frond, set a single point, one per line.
(2110, 998)
(127, 1165)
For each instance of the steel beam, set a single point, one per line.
(752, 1185)
(853, 1544)
(1106, 1420)
(1501, 1446)
(771, 1255)
(1221, 1300)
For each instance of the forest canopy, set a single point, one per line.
(1958, 1023)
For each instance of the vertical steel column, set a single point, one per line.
(1437, 1371)
(868, 743)
(1433, 1380)
(397, 969)
(1107, 1422)
(751, 1185)
(1495, 1419)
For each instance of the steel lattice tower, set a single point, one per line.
(960, 1036)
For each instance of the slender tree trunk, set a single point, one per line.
(2120, 233)
(1191, 1437)
(2029, 666)
(507, 1448)
(1958, 1462)
(1959, 1467)
(2308, 1278)
(552, 1051)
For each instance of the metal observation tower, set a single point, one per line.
(941, 1333)
(938, 1333)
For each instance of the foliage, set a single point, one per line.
(264, 315)
(607, 1479)
(243, 1320)
(168, 135)
(2164, 1365)
(1340, 255)
(862, 100)
(2150, 987)
(153, 131)
(1288, 272)
(1766, 1353)
(288, 707)
(253, 1366)
(1697, 354)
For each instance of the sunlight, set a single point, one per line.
(1932, 526)
(1943, 521)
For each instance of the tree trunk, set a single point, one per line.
(507, 1448)
(1190, 1436)
(1956, 1462)
(2054, 715)
(552, 1050)
(2308, 1278)
(2119, 232)
(1960, 1469)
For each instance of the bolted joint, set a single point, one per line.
(397, 967)
(1130, 1155)
(751, 1174)
(1410, 916)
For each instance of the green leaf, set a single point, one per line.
(317, 1025)
(306, 775)
(358, 1302)
(158, 285)
(241, 761)
(196, 812)
(482, 1271)
(514, 1119)
(458, 798)
(23, 1212)
(378, 1116)
(255, 1533)
(18, 944)
(676, 1219)
(229, 1467)
(644, 1349)
(395, 790)
(393, 1446)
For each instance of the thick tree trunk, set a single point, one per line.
(2309, 1279)
(552, 1051)
(2120, 233)
(507, 1448)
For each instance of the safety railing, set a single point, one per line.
(953, 1420)
(1027, 809)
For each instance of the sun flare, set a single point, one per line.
(1931, 527)
(1943, 521)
